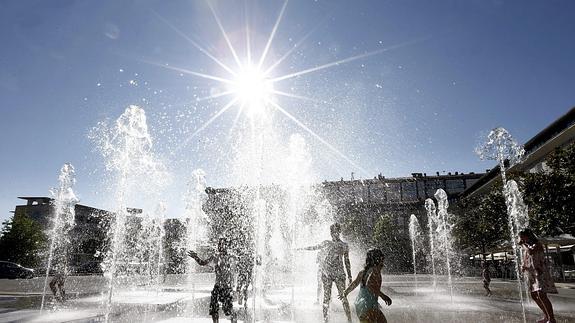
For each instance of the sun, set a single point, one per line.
(249, 85)
(252, 88)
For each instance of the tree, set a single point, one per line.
(21, 241)
(395, 246)
(481, 222)
(550, 195)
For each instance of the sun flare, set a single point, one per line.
(252, 89)
(249, 86)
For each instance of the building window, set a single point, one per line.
(455, 186)
(393, 192)
(377, 192)
(409, 191)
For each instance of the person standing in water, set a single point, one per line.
(57, 286)
(486, 274)
(222, 291)
(336, 258)
(537, 273)
(366, 305)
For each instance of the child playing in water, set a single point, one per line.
(222, 292)
(366, 305)
(537, 273)
(334, 259)
(486, 274)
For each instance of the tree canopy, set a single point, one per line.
(550, 194)
(395, 246)
(21, 241)
(481, 222)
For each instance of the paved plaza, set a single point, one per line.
(186, 299)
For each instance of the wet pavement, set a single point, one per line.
(186, 299)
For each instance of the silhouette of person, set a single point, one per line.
(333, 271)
(486, 275)
(222, 291)
(57, 286)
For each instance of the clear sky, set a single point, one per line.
(442, 74)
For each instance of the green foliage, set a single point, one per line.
(395, 245)
(355, 226)
(481, 222)
(22, 239)
(550, 195)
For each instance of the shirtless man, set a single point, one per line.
(222, 292)
(336, 256)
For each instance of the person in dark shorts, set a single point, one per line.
(486, 274)
(222, 291)
(57, 287)
(336, 257)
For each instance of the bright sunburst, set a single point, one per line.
(249, 85)
(252, 89)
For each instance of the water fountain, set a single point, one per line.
(298, 182)
(194, 221)
(439, 226)
(503, 148)
(127, 149)
(62, 221)
(159, 234)
(431, 223)
(414, 233)
(444, 233)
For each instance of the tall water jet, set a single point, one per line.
(431, 221)
(298, 181)
(517, 207)
(261, 133)
(127, 149)
(444, 229)
(62, 222)
(159, 234)
(414, 233)
(194, 219)
(502, 147)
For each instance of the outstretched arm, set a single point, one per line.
(352, 286)
(316, 247)
(200, 262)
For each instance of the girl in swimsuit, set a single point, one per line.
(537, 273)
(369, 278)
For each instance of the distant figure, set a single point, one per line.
(366, 305)
(336, 255)
(537, 274)
(486, 274)
(222, 292)
(57, 287)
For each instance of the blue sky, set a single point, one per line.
(462, 68)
